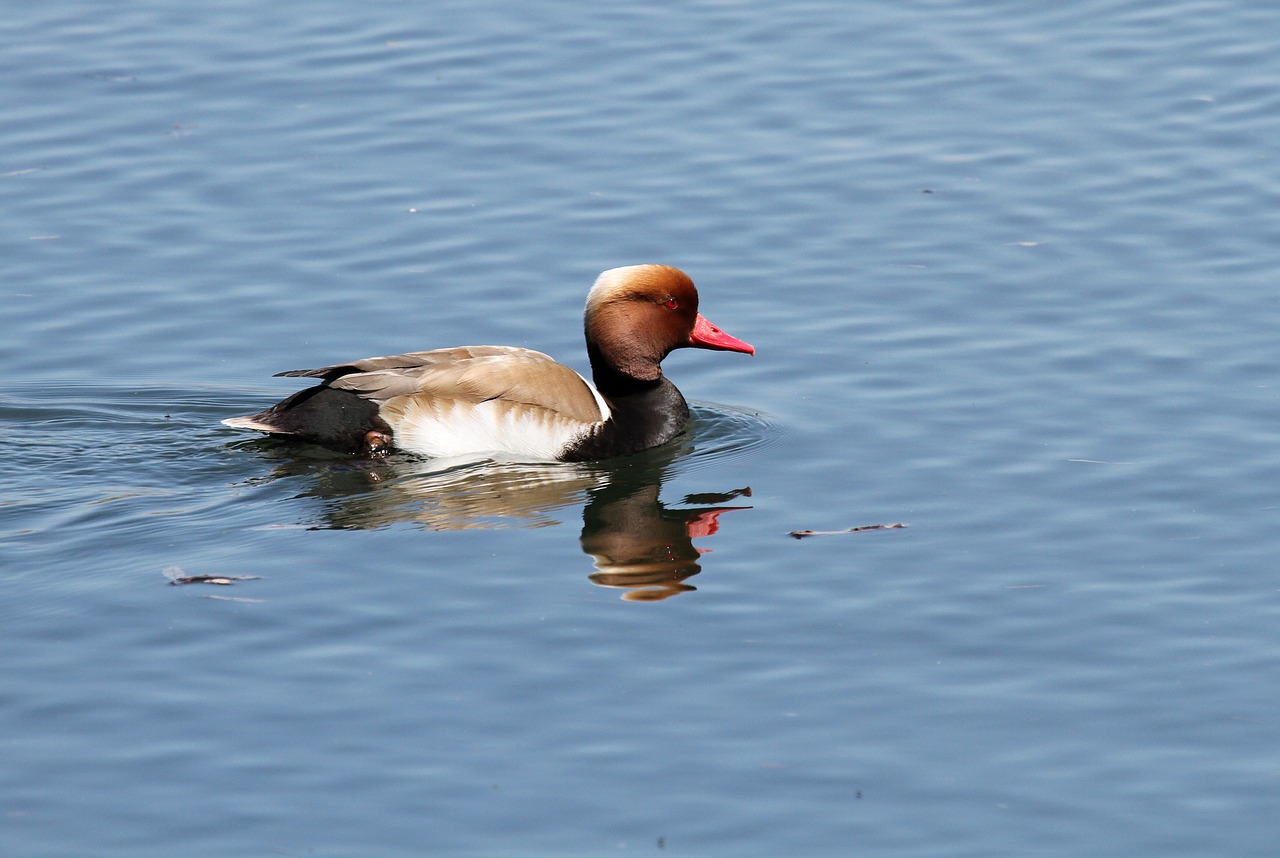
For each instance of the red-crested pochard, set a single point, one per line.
(505, 401)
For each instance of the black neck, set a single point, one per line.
(643, 414)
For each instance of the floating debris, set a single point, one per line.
(801, 534)
(178, 575)
(718, 497)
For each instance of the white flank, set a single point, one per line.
(462, 430)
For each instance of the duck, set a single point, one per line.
(505, 402)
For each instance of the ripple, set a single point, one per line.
(727, 431)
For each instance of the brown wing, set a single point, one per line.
(412, 360)
(469, 374)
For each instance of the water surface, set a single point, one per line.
(1009, 272)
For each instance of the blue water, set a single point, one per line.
(1010, 272)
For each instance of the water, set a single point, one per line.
(1009, 271)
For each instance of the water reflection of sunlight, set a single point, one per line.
(637, 543)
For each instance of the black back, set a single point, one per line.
(338, 419)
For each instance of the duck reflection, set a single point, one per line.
(643, 547)
(637, 543)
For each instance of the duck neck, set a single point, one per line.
(614, 382)
(644, 413)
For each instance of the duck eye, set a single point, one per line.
(671, 303)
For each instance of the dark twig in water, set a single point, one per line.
(712, 498)
(801, 534)
(176, 575)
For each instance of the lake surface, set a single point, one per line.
(1010, 270)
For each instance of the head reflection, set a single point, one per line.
(640, 545)
(637, 543)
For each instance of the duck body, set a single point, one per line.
(502, 401)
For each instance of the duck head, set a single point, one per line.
(638, 314)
